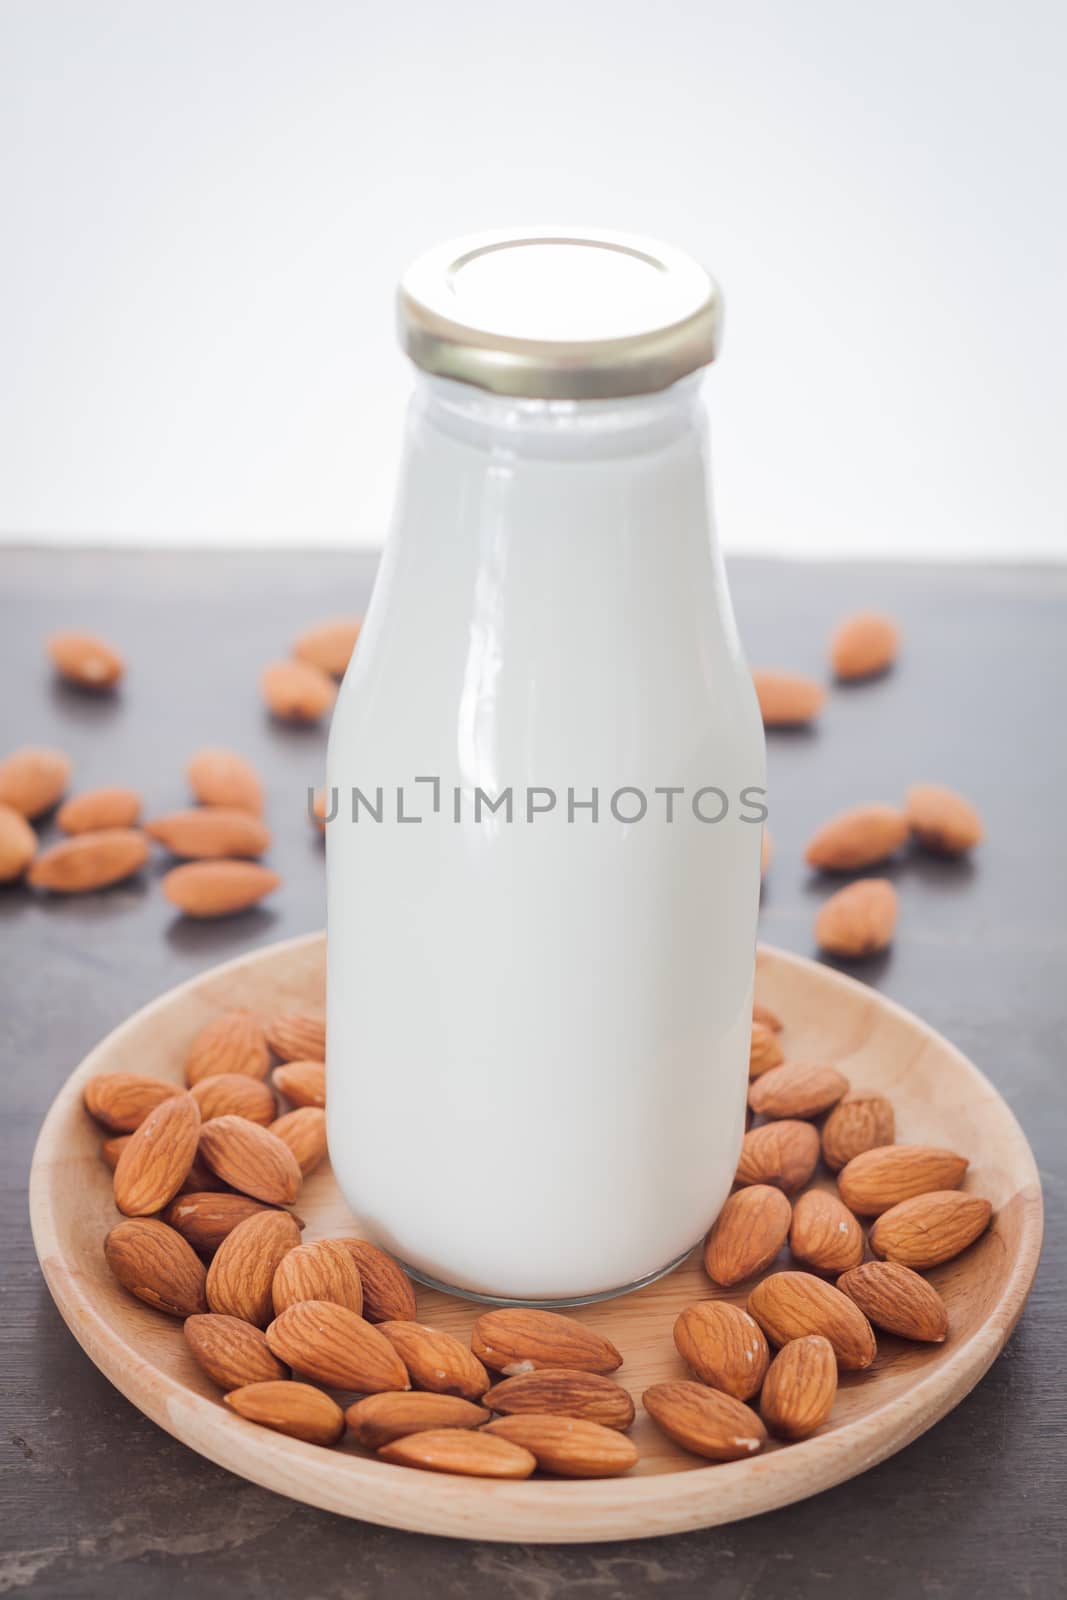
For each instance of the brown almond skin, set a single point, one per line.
(295, 691)
(472, 1455)
(931, 1228)
(859, 920)
(800, 1387)
(241, 1274)
(234, 1042)
(764, 1052)
(872, 1182)
(770, 1019)
(18, 844)
(942, 820)
(297, 1036)
(706, 1421)
(221, 777)
(218, 888)
(861, 1121)
(797, 1089)
(388, 1293)
(787, 699)
(897, 1300)
(747, 1235)
(155, 1264)
(155, 1163)
(563, 1392)
(329, 645)
(203, 833)
(205, 1218)
(201, 1180)
(517, 1338)
(789, 1305)
(89, 861)
(297, 1409)
(335, 1347)
(724, 1347)
(251, 1159)
(825, 1235)
(303, 1083)
(323, 1270)
(857, 838)
(111, 1150)
(231, 1352)
(435, 1360)
(99, 808)
(235, 1094)
(779, 1153)
(304, 1131)
(570, 1447)
(863, 645)
(380, 1418)
(122, 1100)
(34, 779)
(86, 660)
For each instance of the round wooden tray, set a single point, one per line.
(939, 1097)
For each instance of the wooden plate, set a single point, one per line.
(939, 1097)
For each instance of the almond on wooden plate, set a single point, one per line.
(329, 645)
(857, 838)
(788, 1305)
(204, 832)
(747, 1235)
(205, 1218)
(122, 1100)
(336, 1347)
(304, 1131)
(85, 659)
(861, 1121)
(825, 1235)
(297, 1036)
(251, 1159)
(570, 1447)
(859, 920)
(155, 1264)
(800, 1387)
(234, 1042)
(563, 1392)
(472, 1455)
(863, 645)
(298, 1409)
(706, 1421)
(235, 1094)
(154, 1165)
(436, 1360)
(33, 779)
(787, 699)
(779, 1153)
(942, 820)
(388, 1294)
(230, 1351)
(323, 1270)
(723, 1346)
(111, 1150)
(380, 1418)
(797, 1089)
(872, 1182)
(18, 844)
(764, 1051)
(896, 1299)
(295, 691)
(99, 808)
(764, 1014)
(514, 1339)
(89, 861)
(220, 777)
(930, 1229)
(303, 1083)
(218, 888)
(241, 1275)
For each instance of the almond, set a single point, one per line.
(764, 1052)
(825, 1235)
(18, 844)
(857, 838)
(723, 1346)
(787, 699)
(563, 1392)
(769, 1018)
(930, 1229)
(780, 1153)
(435, 1360)
(303, 1083)
(297, 1036)
(205, 1218)
(858, 920)
(240, 1276)
(294, 1408)
(797, 1089)
(388, 1295)
(295, 691)
(220, 777)
(86, 659)
(895, 1298)
(218, 888)
(570, 1447)
(155, 1263)
(318, 809)
(251, 1159)
(99, 808)
(747, 1235)
(153, 1166)
(33, 779)
(235, 1094)
(90, 861)
(789, 1305)
(863, 645)
(304, 1131)
(706, 1421)
(320, 1271)
(206, 832)
(861, 1121)
(329, 645)
(473, 1455)
(800, 1387)
(234, 1042)
(872, 1182)
(514, 1339)
(201, 1180)
(942, 820)
(380, 1418)
(122, 1100)
(336, 1347)
(231, 1352)
(111, 1149)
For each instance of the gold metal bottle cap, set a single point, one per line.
(557, 314)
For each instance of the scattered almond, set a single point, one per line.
(747, 1235)
(724, 1347)
(111, 1150)
(380, 1418)
(294, 1408)
(388, 1295)
(896, 1299)
(336, 1347)
(435, 1360)
(218, 888)
(764, 1052)
(235, 1094)
(329, 645)
(241, 1274)
(563, 1392)
(33, 779)
(863, 645)
(872, 1182)
(800, 1387)
(230, 1351)
(122, 1100)
(570, 1447)
(930, 1229)
(295, 691)
(861, 1121)
(797, 1089)
(251, 1159)
(206, 1218)
(706, 1421)
(320, 1271)
(473, 1455)
(780, 1153)
(219, 777)
(297, 1036)
(787, 699)
(789, 1305)
(769, 1018)
(942, 820)
(304, 1131)
(303, 1083)
(858, 920)
(85, 659)
(514, 1339)
(155, 1264)
(99, 808)
(90, 861)
(234, 1042)
(825, 1235)
(153, 1166)
(857, 838)
(206, 832)
(18, 844)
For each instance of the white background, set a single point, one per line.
(205, 204)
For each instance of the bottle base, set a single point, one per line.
(545, 1304)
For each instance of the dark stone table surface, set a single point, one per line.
(97, 1501)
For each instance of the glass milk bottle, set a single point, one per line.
(547, 765)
